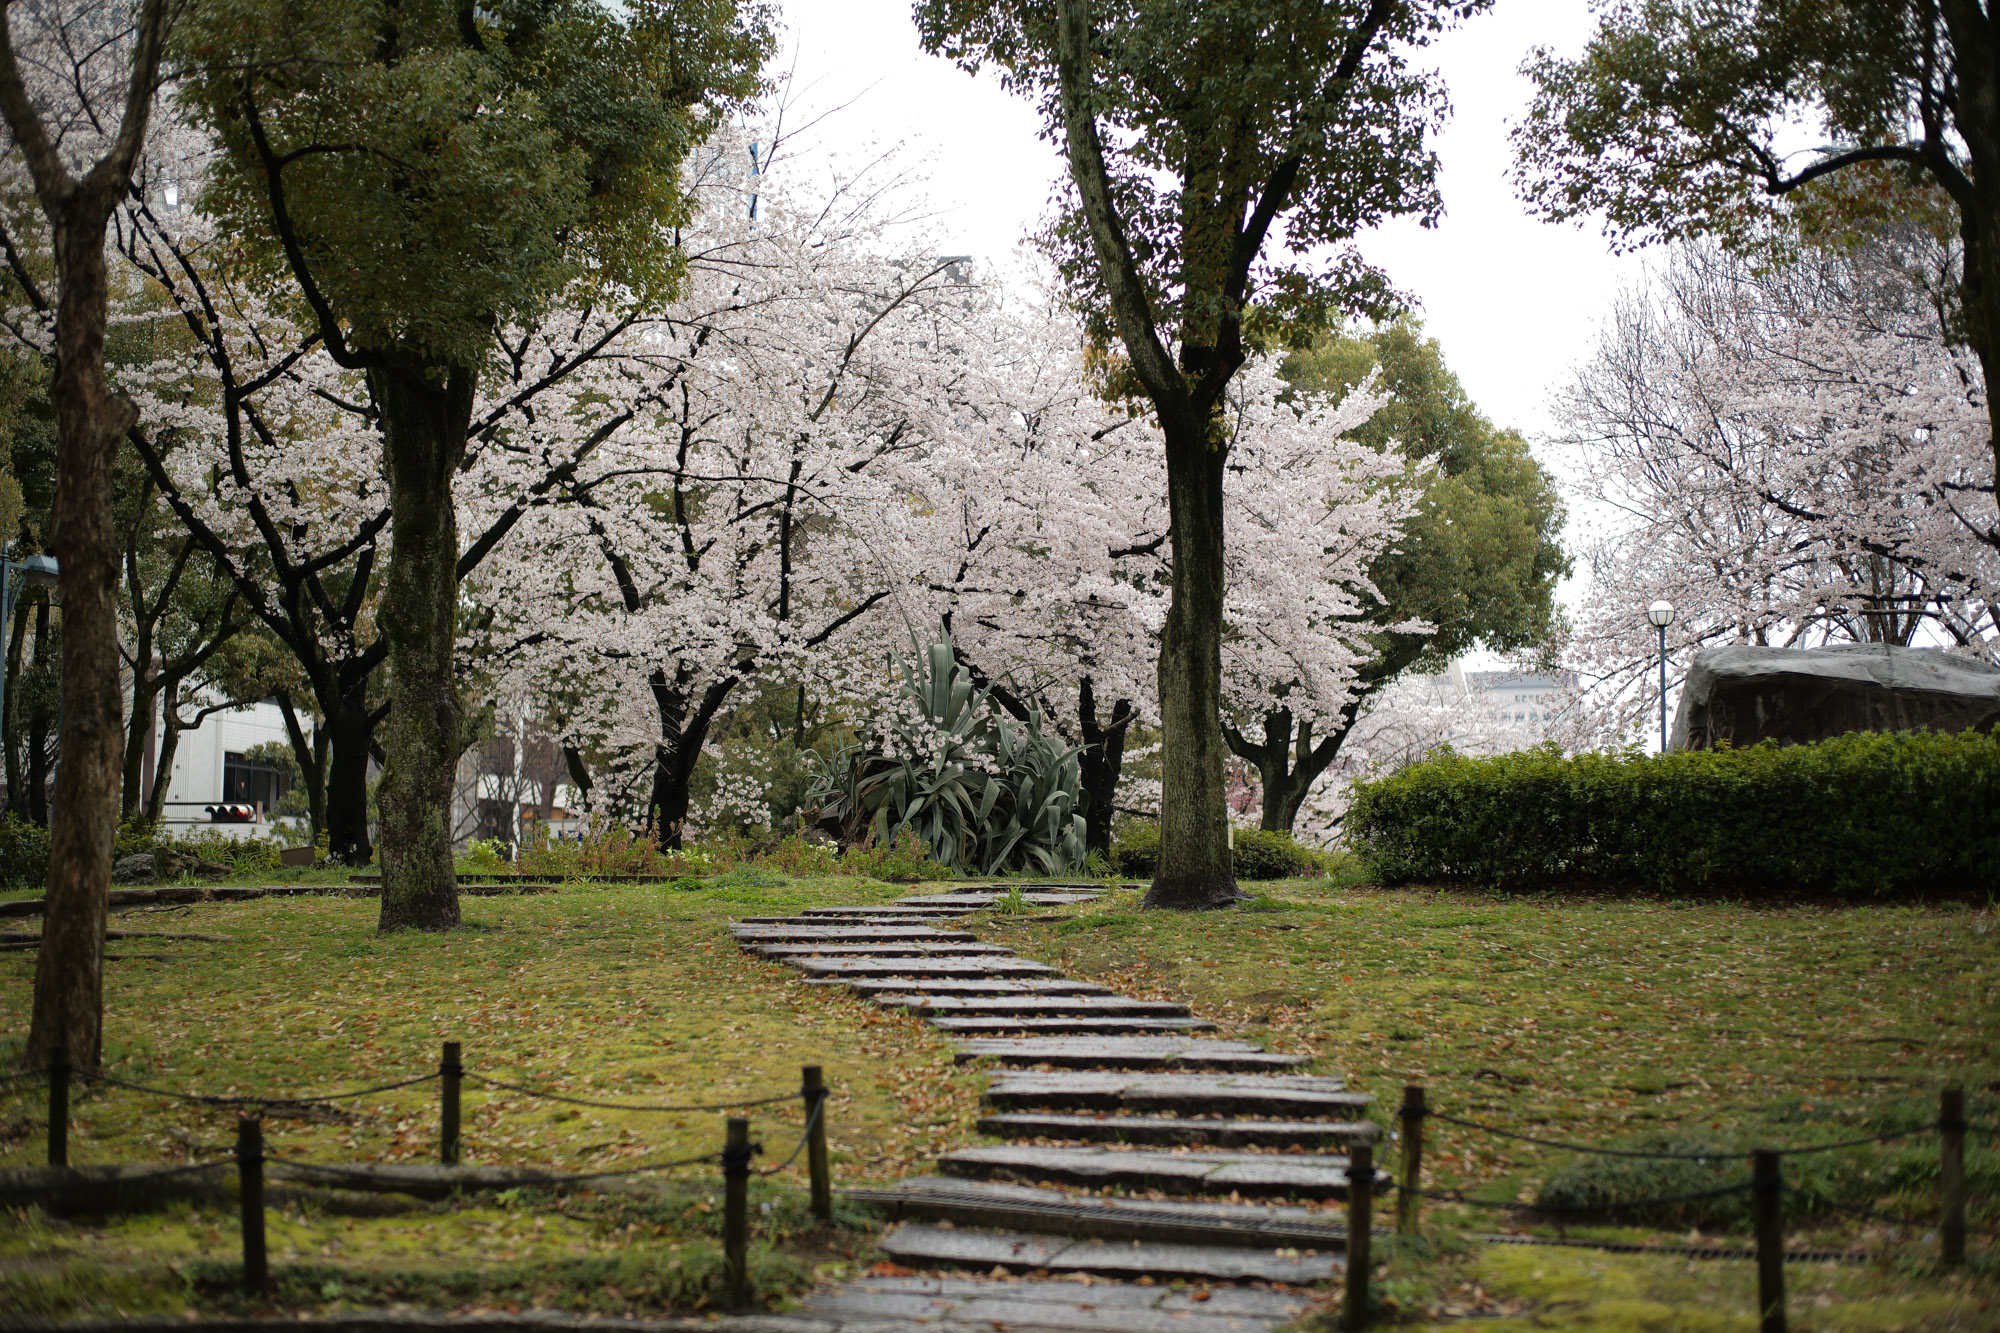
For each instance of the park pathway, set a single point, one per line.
(1146, 1179)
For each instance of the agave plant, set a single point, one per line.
(986, 793)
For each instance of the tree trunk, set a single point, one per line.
(90, 420)
(137, 735)
(1195, 869)
(677, 752)
(311, 758)
(1100, 764)
(163, 771)
(1975, 42)
(426, 413)
(350, 739)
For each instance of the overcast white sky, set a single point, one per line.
(1514, 302)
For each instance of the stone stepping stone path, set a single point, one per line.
(1146, 1177)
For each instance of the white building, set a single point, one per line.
(212, 768)
(1521, 699)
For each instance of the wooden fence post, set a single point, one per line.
(736, 1211)
(1360, 1221)
(1951, 1175)
(1408, 1202)
(59, 1105)
(250, 1189)
(816, 1094)
(451, 1074)
(1767, 1188)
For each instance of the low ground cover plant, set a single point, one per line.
(629, 994)
(1868, 814)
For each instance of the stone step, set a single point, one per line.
(891, 949)
(855, 934)
(1246, 1175)
(923, 1245)
(1018, 988)
(1123, 1052)
(1007, 1006)
(904, 920)
(978, 968)
(988, 899)
(885, 912)
(1296, 1095)
(967, 1305)
(1181, 1130)
(993, 1203)
(1070, 1023)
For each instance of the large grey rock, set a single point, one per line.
(1745, 694)
(137, 868)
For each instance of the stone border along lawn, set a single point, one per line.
(1607, 1020)
(633, 993)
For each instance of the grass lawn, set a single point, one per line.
(632, 993)
(1608, 1021)
(1601, 1021)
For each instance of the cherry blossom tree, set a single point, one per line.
(1796, 456)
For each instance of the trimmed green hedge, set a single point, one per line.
(1259, 855)
(1868, 813)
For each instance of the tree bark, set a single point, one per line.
(426, 413)
(1100, 764)
(163, 771)
(678, 750)
(69, 971)
(1196, 865)
(17, 637)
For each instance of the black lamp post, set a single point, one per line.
(1661, 614)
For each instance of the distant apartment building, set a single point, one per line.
(1522, 699)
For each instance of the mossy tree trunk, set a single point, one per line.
(426, 412)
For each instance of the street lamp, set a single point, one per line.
(35, 571)
(1661, 614)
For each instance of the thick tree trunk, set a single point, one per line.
(425, 415)
(90, 420)
(678, 750)
(1975, 42)
(350, 739)
(1100, 764)
(1195, 869)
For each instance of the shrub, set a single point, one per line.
(1260, 854)
(987, 794)
(24, 853)
(904, 860)
(1863, 813)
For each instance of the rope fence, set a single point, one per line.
(251, 1159)
(1766, 1188)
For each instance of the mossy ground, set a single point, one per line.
(629, 993)
(1606, 1020)
(1597, 1020)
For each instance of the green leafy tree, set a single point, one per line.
(1479, 559)
(425, 174)
(1198, 133)
(1674, 120)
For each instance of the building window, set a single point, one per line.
(250, 782)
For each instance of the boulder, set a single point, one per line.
(137, 868)
(1744, 694)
